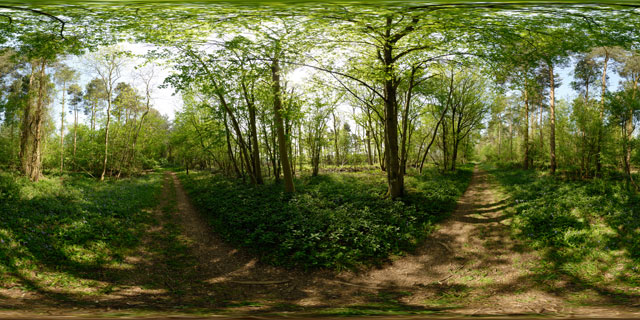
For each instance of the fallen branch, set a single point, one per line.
(450, 275)
(444, 245)
(260, 282)
(354, 285)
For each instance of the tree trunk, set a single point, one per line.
(62, 129)
(552, 119)
(282, 139)
(405, 124)
(541, 128)
(629, 135)
(601, 123)
(368, 146)
(230, 149)
(27, 122)
(255, 151)
(106, 135)
(526, 129)
(395, 178)
(336, 132)
(93, 116)
(445, 149)
(36, 162)
(75, 135)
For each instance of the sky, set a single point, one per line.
(163, 99)
(168, 102)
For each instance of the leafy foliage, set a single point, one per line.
(581, 225)
(333, 221)
(72, 224)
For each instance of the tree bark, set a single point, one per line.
(405, 124)
(255, 151)
(601, 123)
(62, 129)
(395, 178)
(36, 162)
(27, 122)
(336, 133)
(629, 135)
(526, 128)
(552, 119)
(282, 139)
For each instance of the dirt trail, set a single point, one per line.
(471, 261)
(469, 266)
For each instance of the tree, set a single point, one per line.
(95, 95)
(630, 105)
(64, 76)
(75, 91)
(108, 65)
(607, 53)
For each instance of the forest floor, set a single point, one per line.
(470, 265)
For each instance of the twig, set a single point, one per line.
(444, 245)
(260, 282)
(353, 284)
(451, 275)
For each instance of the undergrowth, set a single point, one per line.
(332, 221)
(56, 232)
(587, 229)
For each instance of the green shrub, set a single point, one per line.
(72, 224)
(580, 224)
(332, 221)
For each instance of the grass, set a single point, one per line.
(332, 221)
(587, 230)
(59, 231)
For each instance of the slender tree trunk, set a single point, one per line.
(526, 128)
(454, 155)
(629, 135)
(552, 119)
(601, 123)
(282, 139)
(541, 127)
(500, 141)
(93, 116)
(336, 133)
(445, 149)
(62, 129)
(230, 149)
(75, 135)
(511, 140)
(106, 135)
(255, 151)
(267, 146)
(300, 147)
(440, 121)
(405, 124)
(368, 146)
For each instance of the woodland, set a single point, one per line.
(487, 150)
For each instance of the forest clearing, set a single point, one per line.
(400, 159)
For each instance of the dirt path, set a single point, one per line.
(470, 263)
(469, 266)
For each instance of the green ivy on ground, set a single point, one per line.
(332, 221)
(587, 229)
(70, 226)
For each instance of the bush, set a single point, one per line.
(332, 221)
(71, 224)
(581, 224)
